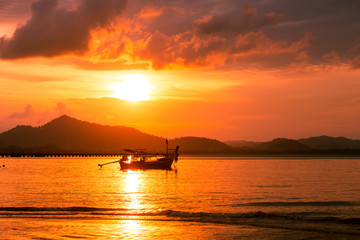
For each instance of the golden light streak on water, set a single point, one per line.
(132, 181)
(132, 187)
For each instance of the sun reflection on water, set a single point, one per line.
(132, 181)
(132, 225)
(132, 186)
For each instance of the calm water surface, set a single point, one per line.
(202, 198)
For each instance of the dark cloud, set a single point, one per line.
(265, 33)
(332, 58)
(334, 24)
(236, 22)
(53, 31)
(157, 19)
(355, 64)
(93, 13)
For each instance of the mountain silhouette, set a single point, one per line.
(283, 145)
(200, 145)
(242, 143)
(327, 143)
(70, 134)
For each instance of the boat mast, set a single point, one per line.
(167, 147)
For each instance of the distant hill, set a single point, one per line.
(242, 143)
(326, 143)
(200, 145)
(283, 145)
(67, 134)
(321, 144)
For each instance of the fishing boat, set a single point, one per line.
(139, 159)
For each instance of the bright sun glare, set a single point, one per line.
(133, 88)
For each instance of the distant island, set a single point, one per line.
(67, 135)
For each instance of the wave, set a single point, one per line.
(58, 209)
(300, 204)
(273, 186)
(307, 221)
(249, 204)
(289, 221)
(306, 216)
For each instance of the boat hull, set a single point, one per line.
(162, 164)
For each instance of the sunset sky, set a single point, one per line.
(224, 69)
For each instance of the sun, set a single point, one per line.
(134, 88)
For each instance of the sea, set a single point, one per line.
(202, 197)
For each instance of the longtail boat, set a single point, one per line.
(139, 159)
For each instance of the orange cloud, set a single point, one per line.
(28, 111)
(185, 50)
(30, 115)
